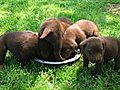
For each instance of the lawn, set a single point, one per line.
(21, 15)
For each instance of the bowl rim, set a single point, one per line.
(75, 58)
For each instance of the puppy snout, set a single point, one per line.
(99, 57)
(66, 55)
(96, 59)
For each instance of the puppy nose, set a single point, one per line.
(65, 55)
(98, 58)
(97, 61)
(93, 61)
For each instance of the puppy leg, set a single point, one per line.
(117, 63)
(24, 57)
(98, 69)
(23, 61)
(3, 51)
(85, 62)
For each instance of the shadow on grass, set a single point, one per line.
(13, 76)
(108, 80)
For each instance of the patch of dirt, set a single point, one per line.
(114, 8)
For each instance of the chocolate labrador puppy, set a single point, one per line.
(22, 44)
(99, 50)
(51, 32)
(76, 33)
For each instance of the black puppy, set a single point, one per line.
(24, 45)
(99, 50)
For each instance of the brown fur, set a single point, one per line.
(74, 34)
(51, 32)
(23, 44)
(99, 50)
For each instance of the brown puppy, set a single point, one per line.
(74, 34)
(99, 50)
(50, 33)
(24, 45)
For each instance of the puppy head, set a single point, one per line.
(47, 27)
(68, 49)
(65, 20)
(93, 48)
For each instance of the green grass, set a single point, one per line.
(19, 15)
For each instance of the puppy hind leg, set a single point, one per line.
(117, 63)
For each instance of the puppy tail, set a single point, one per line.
(45, 33)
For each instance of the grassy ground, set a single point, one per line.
(19, 15)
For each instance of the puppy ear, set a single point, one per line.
(45, 33)
(103, 44)
(82, 46)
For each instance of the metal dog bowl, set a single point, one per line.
(75, 58)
